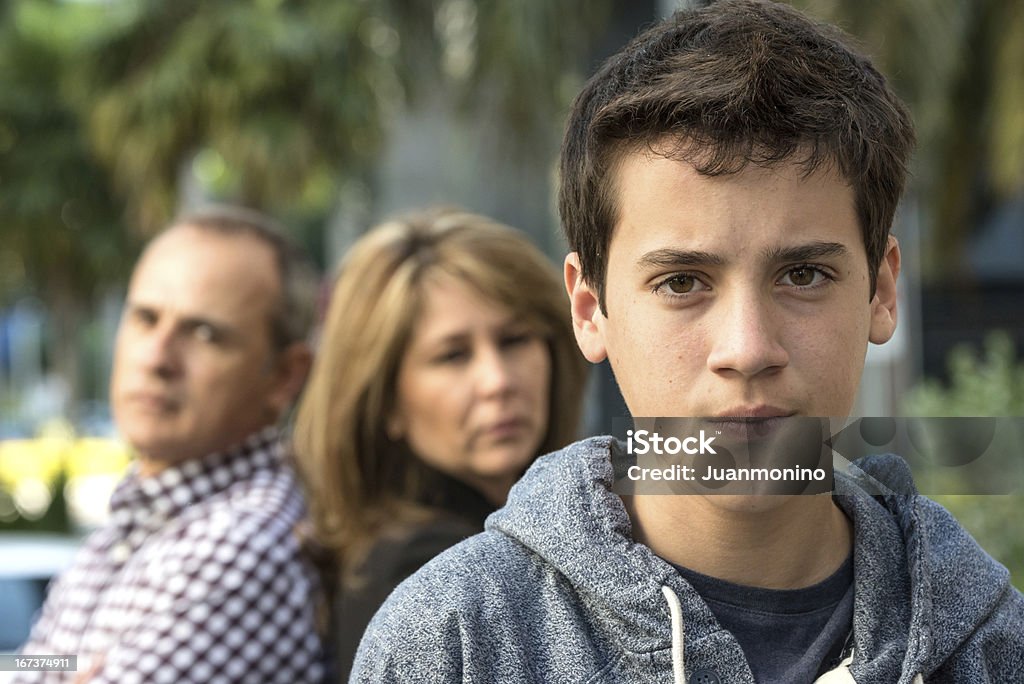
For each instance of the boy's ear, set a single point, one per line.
(883, 304)
(587, 319)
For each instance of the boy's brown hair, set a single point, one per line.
(738, 82)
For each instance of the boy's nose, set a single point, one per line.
(746, 338)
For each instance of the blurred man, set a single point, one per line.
(198, 576)
(728, 184)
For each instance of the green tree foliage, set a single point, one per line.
(60, 223)
(282, 92)
(292, 96)
(991, 384)
(958, 64)
(63, 239)
(106, 108)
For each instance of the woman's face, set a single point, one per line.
(473, 389)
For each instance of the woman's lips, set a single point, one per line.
(510, 428)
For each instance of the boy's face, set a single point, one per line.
(738, 295)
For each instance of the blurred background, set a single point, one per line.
(333, 114)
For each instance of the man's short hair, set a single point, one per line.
(294, 314)
(723, 86)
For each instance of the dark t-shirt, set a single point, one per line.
(788, 635)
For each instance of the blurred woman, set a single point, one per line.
(447, 365)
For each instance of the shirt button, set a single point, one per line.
(704, 677)
(121, 552)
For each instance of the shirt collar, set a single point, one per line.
(148, 502)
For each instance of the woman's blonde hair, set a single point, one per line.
(360, 482)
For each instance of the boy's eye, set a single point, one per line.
(804, 276)
(681, 284)
(801, 276)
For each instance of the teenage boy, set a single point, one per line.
(728, 183)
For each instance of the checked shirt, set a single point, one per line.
(197, 578)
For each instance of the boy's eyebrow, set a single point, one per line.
(661, 258)
(805, 252)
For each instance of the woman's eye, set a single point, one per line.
(515, 339)
(451, 356)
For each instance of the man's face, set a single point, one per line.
(194, 370)
(738, 295)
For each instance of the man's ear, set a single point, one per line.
(290, 371)
(587, 319)
(883, 304)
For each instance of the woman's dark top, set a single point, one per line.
(461, 511)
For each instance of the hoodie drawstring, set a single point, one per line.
(840, 674)
(676, 610)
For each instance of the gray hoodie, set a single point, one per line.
(556, 590)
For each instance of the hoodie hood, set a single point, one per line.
(954, 585)
(564, 511)
(582, 531)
